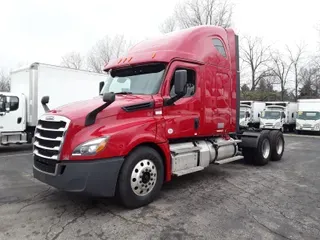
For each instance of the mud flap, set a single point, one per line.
(249, 139)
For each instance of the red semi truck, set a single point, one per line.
(168, 108)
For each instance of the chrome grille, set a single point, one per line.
(49, 136)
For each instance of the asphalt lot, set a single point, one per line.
(231, 201)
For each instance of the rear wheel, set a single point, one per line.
(277, 145)
(262, 154)
(141, 177)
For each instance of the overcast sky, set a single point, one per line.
(43, 30)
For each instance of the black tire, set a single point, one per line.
(277, 145)
(125, 192)
(259, 158)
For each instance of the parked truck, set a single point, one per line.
(308, 118)
(21, 108)
(279, 115)
(250, 112)
(168, 108)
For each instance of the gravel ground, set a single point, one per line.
(231, 201)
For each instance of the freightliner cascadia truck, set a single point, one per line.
(168, 108)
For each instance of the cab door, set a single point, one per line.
(12, 113)
(182, 118)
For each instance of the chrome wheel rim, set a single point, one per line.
(279, 146)
(143, 177)
(265, 148)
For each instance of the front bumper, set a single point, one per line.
(97, 177)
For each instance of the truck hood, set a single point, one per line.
(80, 109)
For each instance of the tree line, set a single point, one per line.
(100, 54)
(266, 72)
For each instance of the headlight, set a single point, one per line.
(91, 147)
(297, 125)
(317, 127)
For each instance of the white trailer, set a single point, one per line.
(279, 115)
(250, 112)
(308, 118)
(21, 108)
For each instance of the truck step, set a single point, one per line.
(228, 160)
(185, 150)
(187, 171)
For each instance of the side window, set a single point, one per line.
(14, 103)
(191, 83)
(219, 46)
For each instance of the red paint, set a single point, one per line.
(214, 101)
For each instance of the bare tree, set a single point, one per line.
(106, 49)
(310, 79)
(4, 81)
(256, 57)
(295, 59)
(192, 13)
(73, 60)
(169, 25)
(280, 70)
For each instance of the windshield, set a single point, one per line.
(309, 115)
(143, 80)
(270, 115)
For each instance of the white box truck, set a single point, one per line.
(250, 112)
(21, 108)
(308, 118)
(279, 115)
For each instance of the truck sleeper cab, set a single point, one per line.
(168, 108)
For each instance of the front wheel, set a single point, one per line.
(141, 177)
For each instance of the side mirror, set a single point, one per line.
(109, 97)
(258, 115)
(101, 85)
(45, 100)
(180, 81)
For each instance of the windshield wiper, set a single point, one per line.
(123, 92)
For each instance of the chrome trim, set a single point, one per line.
(54, 157)
(49, 129)
(55, 118)
(57, 148)
(37, 135)
(52, 118)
